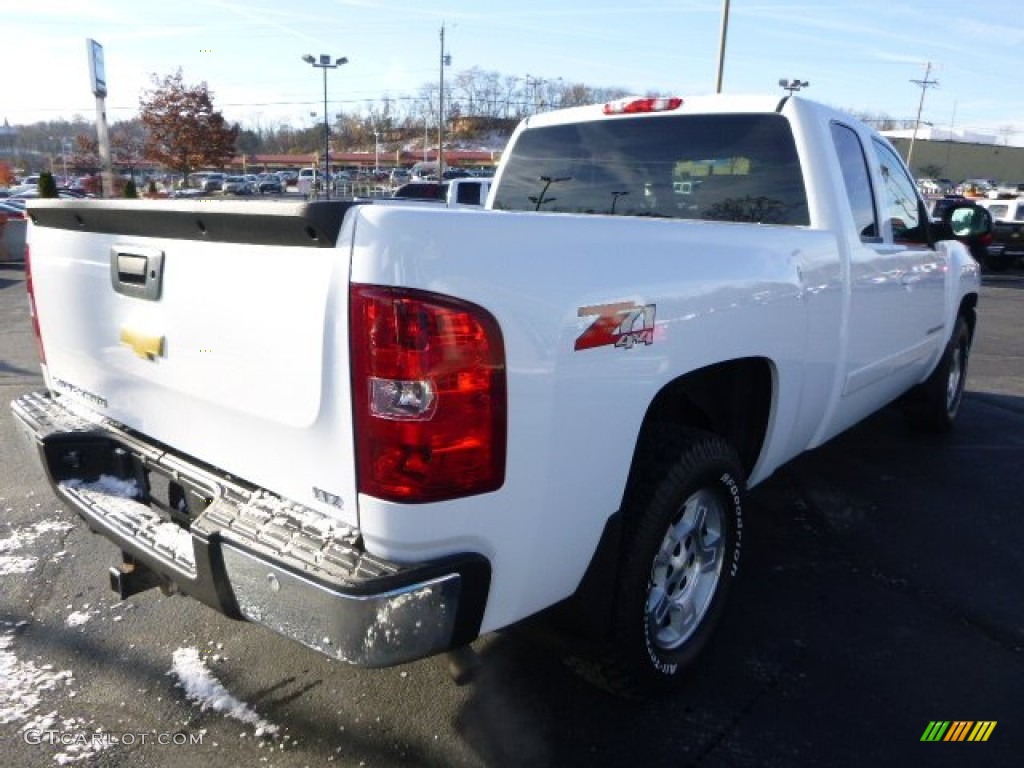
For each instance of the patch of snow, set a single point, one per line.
(179, 541)
(28, 534)
(207, 691)
(80, 746)
(107, 484)
(22, 682)
(22, 537)
(10, 565)
(78, 618)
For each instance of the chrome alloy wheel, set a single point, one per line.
(686, 570)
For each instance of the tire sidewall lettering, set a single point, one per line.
(725, 484)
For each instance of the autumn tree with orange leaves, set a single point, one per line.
(184, 131)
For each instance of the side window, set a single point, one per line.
(854, 167)
(469, 193)
(902, 205)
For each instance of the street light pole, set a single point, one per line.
(721, 46)
(325, 63)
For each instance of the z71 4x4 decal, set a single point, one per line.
(618, 325)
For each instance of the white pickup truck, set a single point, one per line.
(455, 193)
(383, 430)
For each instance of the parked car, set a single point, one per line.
(979, 247)
(236, 185)
(213, 182)
(423, 171)
(22, 190)
(33, 193)
(1007, 244)
(269, 183)
(1007, 190)
(939, 206)
(422, 190)
(13, 226)
(975, 187)
(307, 180)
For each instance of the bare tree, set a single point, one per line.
(577, 95)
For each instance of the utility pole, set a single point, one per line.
(924, 86)
(446, 60)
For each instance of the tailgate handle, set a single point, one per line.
(137, 271)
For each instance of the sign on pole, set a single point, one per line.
(97, 73)
(98, 79)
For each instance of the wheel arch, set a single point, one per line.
(968, 310)
(732, 399)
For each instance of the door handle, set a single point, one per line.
(137, 271)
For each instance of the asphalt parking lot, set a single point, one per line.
(882, 590)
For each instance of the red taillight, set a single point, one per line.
(428, 384)
(631, 106)
(33, 312)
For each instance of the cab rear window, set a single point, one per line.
(741, 168)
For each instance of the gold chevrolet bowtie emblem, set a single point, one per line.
(145, 346)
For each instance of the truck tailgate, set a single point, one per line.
(219, 332)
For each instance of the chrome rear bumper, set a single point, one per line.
(250, 554)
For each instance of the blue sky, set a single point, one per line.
(858, 55)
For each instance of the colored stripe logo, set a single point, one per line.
(958, 730)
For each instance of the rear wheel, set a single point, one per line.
(681, 553)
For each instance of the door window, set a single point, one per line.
(903, 210)
(854, 167)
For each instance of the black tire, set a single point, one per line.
(681, 552)
(934, 405)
